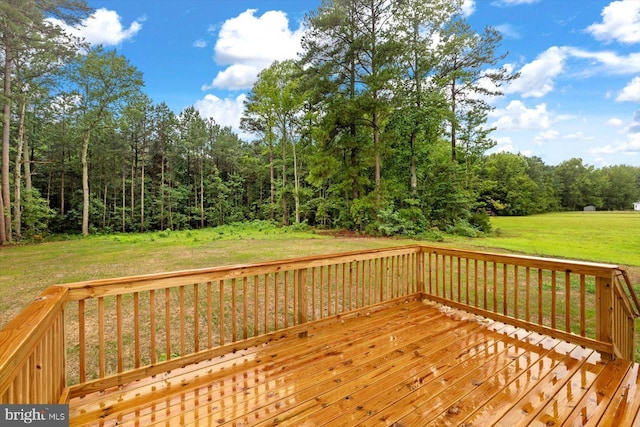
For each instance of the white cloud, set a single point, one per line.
(631, 92)
(503, 144)
(579, 136)
(468, 7)
(102, 27)
(200, 43)
(251, 43)
(620, 22)
(630, 147)
(615, 122)
(537, 77)
(517, 116)
(546, 136)
(226, 112)
(235, 77)
(610, 62)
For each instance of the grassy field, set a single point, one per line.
(612, 237)
(26, 270)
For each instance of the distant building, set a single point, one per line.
(636, 206)
(590, 208)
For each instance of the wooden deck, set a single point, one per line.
(405, 363)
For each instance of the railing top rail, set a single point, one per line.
(21, 334)
(114, 286)
(583, 267)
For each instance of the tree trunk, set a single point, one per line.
(201, 191)
(296, 191)
(17, 175)
(124, 201)
(376, 150)
(85, 183)
(285, 214)
(162, 191)
(5, 214)
(412, 166)
(272, 179)
(453, 122)
(142, 172)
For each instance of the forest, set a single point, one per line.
(379, 127)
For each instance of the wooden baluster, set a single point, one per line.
(466, 280)
(221, 314)
(505, 292)
(256, 316)
(196, 320)
(245, 308)
(276, 298)
(301, 284)
(553, 299)
(475, 282)
(337, 289)
(209, 315)
(136, 330)
(485, 277)
(344, 287)
(540, 317)
(495, 287)
(358, 282)
(528, 294)
(119, 349)
(152, 326)
(234, 336)
(82, 344)
(182, 322)
(266, 302)
(516, 290)
(101, 346)
(567, 301)
(459, 278)
(286, 298)
(167, 321)
(322, 286)
(313, 293)
(583, 306)
(328, 290)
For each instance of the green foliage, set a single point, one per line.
(372, 131)
(36, 214)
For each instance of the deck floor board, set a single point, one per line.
(406, 364)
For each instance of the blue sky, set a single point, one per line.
(578, 96)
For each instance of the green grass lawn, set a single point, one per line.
(26, 270)
(612, 237)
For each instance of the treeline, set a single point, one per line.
(380, 127)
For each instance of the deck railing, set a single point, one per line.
(82, 337)
(590, 304)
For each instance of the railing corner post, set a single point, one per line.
(604, 311)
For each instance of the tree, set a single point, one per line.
(102, 82)
(421, 106)
(25, 31)
(465, 58)
(622, 187)
(578, 185)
